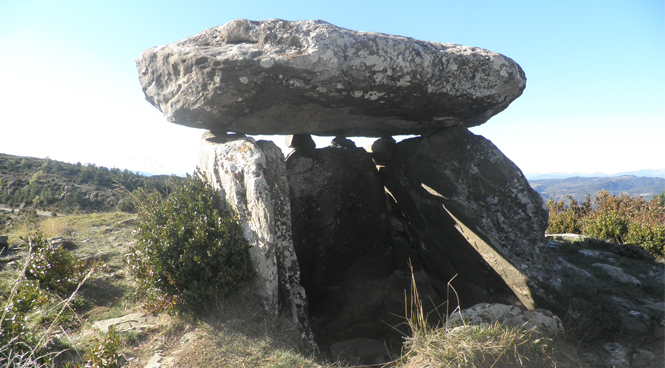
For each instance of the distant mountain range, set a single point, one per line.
(578, 187)
(651, 173)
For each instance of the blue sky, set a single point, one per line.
(594, 102)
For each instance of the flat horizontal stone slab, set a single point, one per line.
(280, 77)
(130, 322)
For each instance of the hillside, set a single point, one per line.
(578, 187)
(29, 185)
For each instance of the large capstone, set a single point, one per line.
(280, 77)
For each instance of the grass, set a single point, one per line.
(468, 345)
(68, 225)
(240, 333)
(476, 346)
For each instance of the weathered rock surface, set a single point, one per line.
(300, 141)
(473, 213)
(540, 320)
(280, 77)
(620, 295)
(137, 322)
(619, 355)
(251, 178)
(624, 250)
(325, 198)
(618, 274)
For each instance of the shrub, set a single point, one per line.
(104, 353)
(648, 235)
(53, 268)
(127, 204)
(607, 226)
(15, 333)
(188, 245)
(567, 218)
(47, 274)
(622, 219)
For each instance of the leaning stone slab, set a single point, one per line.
(474, 212)
(251, 178)
(280, 77)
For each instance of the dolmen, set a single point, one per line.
(341, 235)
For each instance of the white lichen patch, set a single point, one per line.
(405, 81)
(267, 63)
(374, 95)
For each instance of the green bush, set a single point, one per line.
(53, 268)
(15, 332)
(567, 218)
(607, 226)
(648, 235)
(127, 204)
(50, 273)
(104, 353)
(622, 219)
(188, 245)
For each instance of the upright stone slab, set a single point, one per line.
(342, 236)
(251, 177)
(471, 206)
(280, 77)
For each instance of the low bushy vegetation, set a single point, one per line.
(619, 219)
(41, 297)
(189, 248)
(188, 251)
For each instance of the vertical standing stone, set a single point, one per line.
(251, 178)
(341, 233)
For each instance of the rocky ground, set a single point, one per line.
(629, 283)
